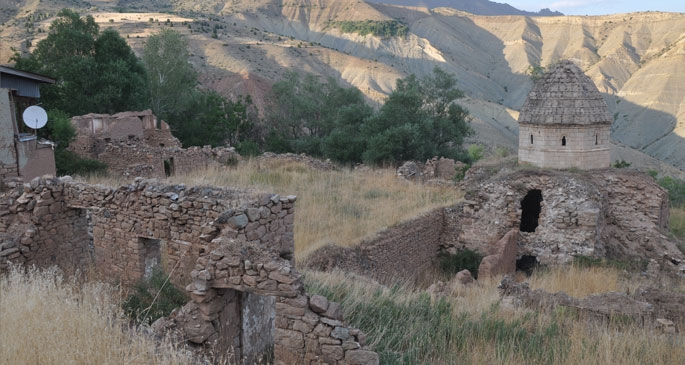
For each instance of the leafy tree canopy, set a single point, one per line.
(315, 117)
(95, 71)
(171, 77)
(197, 117)
(419, 120)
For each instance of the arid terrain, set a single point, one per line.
(635, 59)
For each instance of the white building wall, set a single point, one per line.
(586, 147)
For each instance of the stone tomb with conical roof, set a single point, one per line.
(564, 122)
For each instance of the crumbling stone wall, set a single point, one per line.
(233, 248)
(617, 214)
(394, 254)
(133, 158)
(137, 144)
(36, 227)
(592, 214)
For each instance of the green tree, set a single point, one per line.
(197, 117)
(171, 78)
(59, 130)
(213, 120)
(95, 72)
(418, 120)
(315, 117)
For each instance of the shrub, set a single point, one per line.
(463, 259)
(475, 152)
(153, 298)
(676, 190)
(621, 164)
(387, 28)
(69, 163)
(460, 172)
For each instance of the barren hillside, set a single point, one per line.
(636, 59)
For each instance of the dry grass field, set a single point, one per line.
(46, 318)
(470, 326)
(61, 321)
(333, 207)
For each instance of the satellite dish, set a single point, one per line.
(35, 117)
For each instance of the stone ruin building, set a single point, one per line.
(519, 217)
(22, 154)
(138, 144)
(548, 217)
(565, 122)
(231, 249)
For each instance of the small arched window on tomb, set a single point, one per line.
(563, 141)
(531, 139)
(596, 139)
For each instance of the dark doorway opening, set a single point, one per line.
(563, 141)
(169, 167)
(527, 264)
(530, 210)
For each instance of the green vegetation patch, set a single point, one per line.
(153, 298)
(379, 28)
(676, 190)
(462, 260)
(405, 328)
(628, 265)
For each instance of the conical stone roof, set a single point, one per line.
(565, 95)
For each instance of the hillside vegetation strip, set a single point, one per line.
(378, 28)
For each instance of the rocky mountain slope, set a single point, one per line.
(477, 7)
(637, 60)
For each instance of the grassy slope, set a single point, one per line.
(470, 326)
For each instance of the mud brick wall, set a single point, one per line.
(414, 244)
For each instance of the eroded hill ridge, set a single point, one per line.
(636, 59)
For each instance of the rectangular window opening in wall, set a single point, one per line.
(89, 229)
(76, 245)
(151, 255)
(169, 167)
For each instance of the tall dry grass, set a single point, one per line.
(580, 282)
(333, 207)
(469, 326)
(47, 319)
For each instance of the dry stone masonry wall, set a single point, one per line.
(232, 249)
(137, 144)
(394, 254)
(546, 216)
